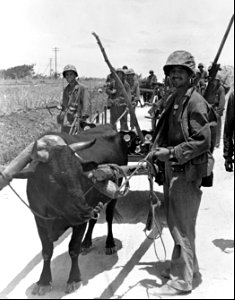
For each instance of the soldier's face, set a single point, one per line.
(120, 75)
(179, 77)
(70, 76)
(130, 78)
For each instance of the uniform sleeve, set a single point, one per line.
(199, 133)
(64, 99)
(228, 150)
(221, 95)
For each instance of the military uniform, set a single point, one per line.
(135, 92)
(201, 79)
(228, 151)
(117, 104)
(218, 104)
(75, 104)
(182, 143)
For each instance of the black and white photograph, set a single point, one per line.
(117, 149)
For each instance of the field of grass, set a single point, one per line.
(22, 117)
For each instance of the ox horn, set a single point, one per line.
(81, 145)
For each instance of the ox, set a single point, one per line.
(60, 193)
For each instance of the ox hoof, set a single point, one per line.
(85, 251)
(72, 287)
(110, 251)
(86, 247)
(41, 290)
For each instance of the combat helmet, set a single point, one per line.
(130, 71)
(121, 70)
(70, 68)
(180, 58)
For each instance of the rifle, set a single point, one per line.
(126, 98)
(49, 107)
(209, 95)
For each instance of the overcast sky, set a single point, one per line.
(138, 33)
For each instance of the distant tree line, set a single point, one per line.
(18, 72)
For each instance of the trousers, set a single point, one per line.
(182, 201)
(115, 112)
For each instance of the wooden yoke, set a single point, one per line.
(126, 98)
(16, 166)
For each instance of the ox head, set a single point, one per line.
(60, 178)
(44, 147)
(40, 151)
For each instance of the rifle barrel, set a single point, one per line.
(223, 40)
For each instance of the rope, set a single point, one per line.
(32, 210)
(96, 216)
(152, 195)
(155, 221)
(126, 182)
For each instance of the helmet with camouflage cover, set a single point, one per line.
(130, 71)
(121, 70)
(200, 65)
(180, 58)
(69, 68)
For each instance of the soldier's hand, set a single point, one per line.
(60, 118)
(229, 164)
(162, 153)
(152, 157)
(84, 118)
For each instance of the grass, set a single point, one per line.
(21, 120)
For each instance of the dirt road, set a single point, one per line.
(133, 272)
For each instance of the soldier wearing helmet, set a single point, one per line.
(75, 102)
(218, 103)
(182, 148)
(201, 79)
(116, 100)
(135, 92)
(151, 83)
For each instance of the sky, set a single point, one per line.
(138, 33)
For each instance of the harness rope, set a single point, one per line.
(22, 200)
(32, 210)
(154, 200)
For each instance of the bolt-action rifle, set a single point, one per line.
(209, 94)
(49, 107)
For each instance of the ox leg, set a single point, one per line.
(110, 244)
(43, 286)
(87, 241)
(74, 281)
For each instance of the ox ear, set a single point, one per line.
(81, 145)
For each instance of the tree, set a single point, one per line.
(19, 72)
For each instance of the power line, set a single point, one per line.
(50, 67)
(55, 50)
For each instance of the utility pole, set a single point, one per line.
(56, 50)
(50, 66)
